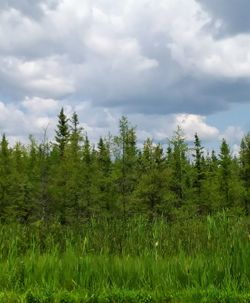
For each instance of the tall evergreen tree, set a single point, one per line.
(245, 169)
(152, 194)
(199, 174)
(230, 185)
(62, 132)
(179, 166)
(105, 188)
(125, 164)
(225, 171)
(5, 173)
(72, 158)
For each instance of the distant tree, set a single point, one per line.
(245, 169)
(152, 194)
(5, 174)
(87, 200)
(225, 161)
(125, 162)
(23, 193)
(105, 187)
(45, 167)
(178, 164)
(62, 132)
(199, 174)
(231, 190)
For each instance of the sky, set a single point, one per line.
(161, 63)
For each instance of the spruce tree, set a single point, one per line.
(199, 174)
(152, 194)
(245, 169)
(225, 169)
(227, 177)
(179, 166)
(5, 174)
(125, 162)
(105, 189)
(62, 132)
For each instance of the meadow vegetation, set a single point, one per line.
(196, 260)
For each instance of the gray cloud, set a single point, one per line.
(30, 8)
(233, 13)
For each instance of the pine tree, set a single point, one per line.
(245, 169)
(105, 188)
(62, 132)
(75, 137)
(125, 162)
(199, 175)
(210, 189)
(230, 186)
(44, 178)
(152, 194)
(22, 192)
(5, 173)
(179, 166)
(225, 170)
(87, 203)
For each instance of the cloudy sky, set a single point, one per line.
(161, 63)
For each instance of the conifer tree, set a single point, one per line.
(125, 164)
(152, 194)
(60, 170)
(62, 132)
(45, 171)
(72, 158)
(22, 193)
(199, 175)
(87, 205)
(178, 165)
(105, 189)
(230, 185)
(225, 171)
(5, 173)
(245, 169)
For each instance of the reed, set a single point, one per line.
(137, 260)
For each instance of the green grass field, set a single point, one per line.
(136, 260)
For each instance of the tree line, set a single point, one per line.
(70, 180)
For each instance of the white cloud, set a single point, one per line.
(42, 76)
(233, 134)
(192, 124)
(40, 105)
(103, 58)
(17, 123)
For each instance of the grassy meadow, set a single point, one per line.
(132, 260)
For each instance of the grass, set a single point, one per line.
(198, 260)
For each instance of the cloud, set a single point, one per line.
(148, 52)
(227, 57)
(105, 58)
(233, 134)
(40, 105)
(15, 122)
(44, 77)
(234, 15)
(196, 123)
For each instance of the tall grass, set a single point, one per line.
(136, 260)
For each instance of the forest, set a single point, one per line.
(116, 222)
(70, 179)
